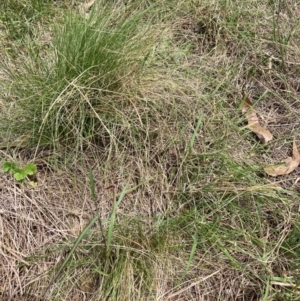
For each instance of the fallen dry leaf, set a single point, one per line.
(253, 123)
(33, 184)
(290, 164)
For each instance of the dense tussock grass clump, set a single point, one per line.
(72, 93)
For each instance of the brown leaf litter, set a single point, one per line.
(263, 134)
(290, 164)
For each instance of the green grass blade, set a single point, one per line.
(192, 141)
(82, 235)
(192, 254)
(113, 218)
(92, 185)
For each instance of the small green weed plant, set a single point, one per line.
(19, 173)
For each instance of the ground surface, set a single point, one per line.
(163, 195)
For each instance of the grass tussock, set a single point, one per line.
(81, 83)
(150, 185)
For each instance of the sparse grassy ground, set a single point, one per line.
(149, 184)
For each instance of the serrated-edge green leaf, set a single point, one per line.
(30, 169)
(20, 175)
(9, 167)
(6, 166)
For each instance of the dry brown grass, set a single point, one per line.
(201, 221)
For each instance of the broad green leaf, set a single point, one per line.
(10, 167)
(30, 169)
(20, 175)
